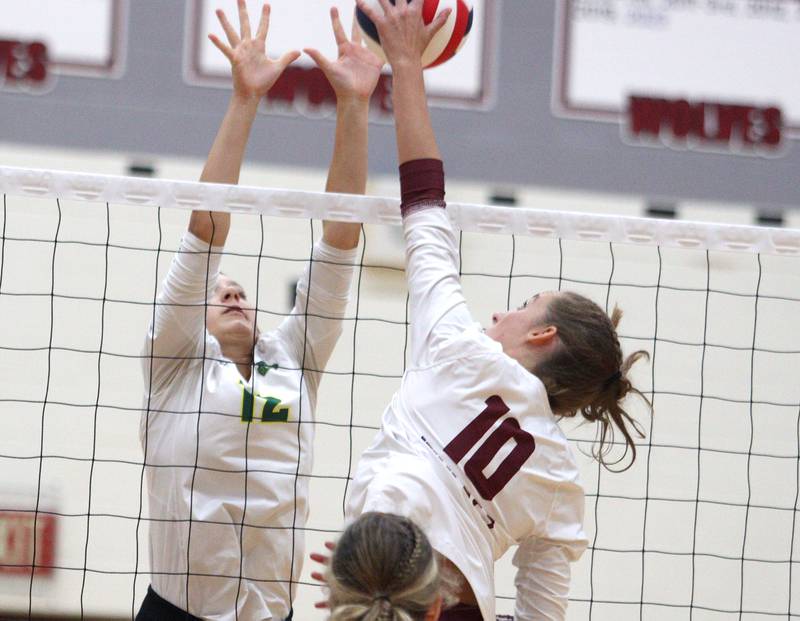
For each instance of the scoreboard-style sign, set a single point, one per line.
(466, 81)
(709, 75)
(41, 39)
(27, 542)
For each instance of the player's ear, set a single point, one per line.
(435, 610)
(542, 335)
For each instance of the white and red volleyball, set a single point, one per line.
(444, 45)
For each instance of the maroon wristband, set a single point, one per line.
(421, 185)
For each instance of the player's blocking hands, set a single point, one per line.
(254, 73)
(403, 32)
(356, 71)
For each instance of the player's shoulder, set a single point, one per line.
(471, 344)
(473, 356)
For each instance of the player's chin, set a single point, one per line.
(234, 322)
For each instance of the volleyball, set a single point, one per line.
(444, 45)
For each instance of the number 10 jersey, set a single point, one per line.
(469, 448)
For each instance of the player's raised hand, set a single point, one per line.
(355, 72)
(253, 71)
(403, 33)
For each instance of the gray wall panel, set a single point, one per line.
(151, 110)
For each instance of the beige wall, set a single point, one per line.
(75, 430)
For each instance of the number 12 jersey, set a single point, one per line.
(469, 448)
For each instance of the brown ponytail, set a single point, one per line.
(588, 374)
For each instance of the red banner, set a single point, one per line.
(17, 542)
(710, 125)
(308, 86)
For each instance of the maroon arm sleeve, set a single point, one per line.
(421, 185)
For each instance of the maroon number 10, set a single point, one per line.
(509, 429)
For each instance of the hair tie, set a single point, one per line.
(385, 604)
(612, 380)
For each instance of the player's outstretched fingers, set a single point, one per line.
(318, 58)
(287, 59)
(244, 19)
(263, 24)
(315, 575)
(388, 7)
(377, 17)
(415, 6)
(355, 32)
(221, 46)
(338, 31)
(325, 560)
(322, 559)
(437, 24)
(233, 38)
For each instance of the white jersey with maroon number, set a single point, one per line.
(469, 447)
(223, 453)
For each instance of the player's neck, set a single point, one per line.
(521, 353)
(240, 352)
(245, 370)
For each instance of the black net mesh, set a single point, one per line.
(702, 526)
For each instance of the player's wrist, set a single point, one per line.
(406, 63)
(246, 101)
(352, 103)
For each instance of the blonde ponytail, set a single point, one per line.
(383, 569)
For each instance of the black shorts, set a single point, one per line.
(156, 608)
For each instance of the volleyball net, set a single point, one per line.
(703, 525)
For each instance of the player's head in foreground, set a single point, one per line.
(572, 346)
(383, 569)
(231, 319)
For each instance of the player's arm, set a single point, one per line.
(354, 74)
(179, 323)
(542, 581)
(436, 300)
(544, 563)
(404, 38)
(253, 73)
(324, 289)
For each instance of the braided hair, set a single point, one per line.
(383, 569)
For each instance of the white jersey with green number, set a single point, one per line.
(469, 448)
(227, 459)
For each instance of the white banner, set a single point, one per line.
(726, 51)
(83, 37)
(464, 81)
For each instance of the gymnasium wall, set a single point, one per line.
(515, 146)
(517, 139)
